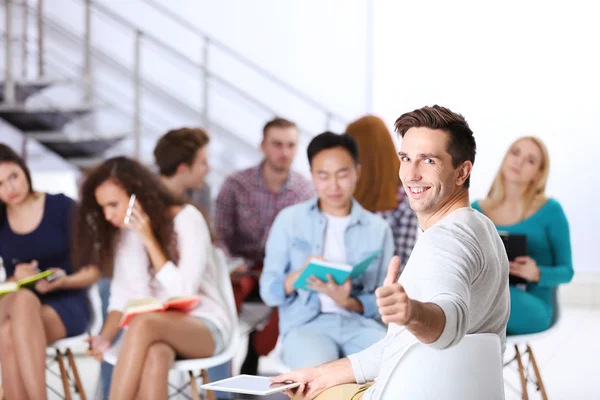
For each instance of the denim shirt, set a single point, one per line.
(297, 233)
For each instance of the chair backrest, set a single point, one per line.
(471, 370)
(95, 302)
(221, 275)
(556, 303)
(226, 290)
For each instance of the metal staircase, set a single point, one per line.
(86, 102)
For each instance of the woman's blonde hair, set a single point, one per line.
(377, 188)
(535, 195)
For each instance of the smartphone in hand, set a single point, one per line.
(129, 208)
(55, 275)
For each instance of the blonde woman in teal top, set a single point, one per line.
(517, 203)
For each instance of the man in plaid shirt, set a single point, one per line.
(246, 206)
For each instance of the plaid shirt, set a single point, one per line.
(405, 226)
(246, 209)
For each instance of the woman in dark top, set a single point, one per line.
(35, 236)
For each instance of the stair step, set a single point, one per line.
(43, 117)
(82, 148)
(85, 162)
(26, 88)
(84, 145)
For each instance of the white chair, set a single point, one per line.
(196, 368)
(522, 347)
(62, 349)
(471, 370)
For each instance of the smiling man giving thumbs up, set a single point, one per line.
(456, 279)
(425, 320)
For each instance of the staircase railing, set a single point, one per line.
(213, 42)
(138, 81)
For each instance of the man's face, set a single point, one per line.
(426, 170)
(279, 147)
(334, 175)
(195, 173)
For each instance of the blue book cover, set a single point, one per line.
(339, 272)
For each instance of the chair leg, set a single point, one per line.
(63, 375)
(538, 376)
(525, 395)
(209, 393)
(73, 366)
(194, 386)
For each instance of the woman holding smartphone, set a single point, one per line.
(35, 235)
(163, 251)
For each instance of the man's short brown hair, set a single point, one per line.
(178, 146)
(278, 122)
(461, 144)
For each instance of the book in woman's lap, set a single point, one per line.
(142, 306)
(29, 282)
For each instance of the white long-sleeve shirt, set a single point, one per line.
(460, 264)
(194, 274)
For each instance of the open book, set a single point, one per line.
(339, 272)
(141, 306)
(29, 282)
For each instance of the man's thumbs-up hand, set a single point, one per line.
(393, 302)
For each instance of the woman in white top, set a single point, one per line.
(164, 250)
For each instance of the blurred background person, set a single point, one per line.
(246, 206)
(181, 156)
(517, 203)
(163, 251)
(379, 188)
(35, 236)
(327, 320)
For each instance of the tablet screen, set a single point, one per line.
(249, 384)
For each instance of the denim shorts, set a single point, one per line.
(216, 334)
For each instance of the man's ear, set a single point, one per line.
(358, 172)
(464, 171)
(182, 168)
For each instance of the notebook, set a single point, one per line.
(142, 306)
(249, 384)
(516, 246)
(339, 272)
(29, 282)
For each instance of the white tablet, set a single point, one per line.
(249, 384)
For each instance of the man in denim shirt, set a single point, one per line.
(330, 321)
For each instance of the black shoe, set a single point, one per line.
(250, 365)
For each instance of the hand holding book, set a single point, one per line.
(53, 282)
(339, 293)
(29, 282)
(292, 277)
(340, 273)
(24, 270)
(525, 267)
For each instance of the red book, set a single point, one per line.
(135, 307)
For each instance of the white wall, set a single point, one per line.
(514, 69)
